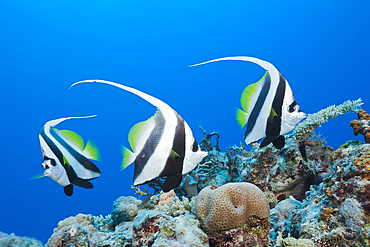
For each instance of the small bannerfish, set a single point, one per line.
(268, 106)
(65, 160)
(162, 146)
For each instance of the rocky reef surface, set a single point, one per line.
(313, 195)
(12, 240)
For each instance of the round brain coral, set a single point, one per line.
(230, 205)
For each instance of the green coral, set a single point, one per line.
(305, 130)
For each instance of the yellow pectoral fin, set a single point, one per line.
(65, 161)
(272, 115)
(174, 155)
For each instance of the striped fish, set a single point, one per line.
(65, 160)
(268, 106)
(162, 146)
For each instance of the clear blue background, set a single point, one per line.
(321, 47)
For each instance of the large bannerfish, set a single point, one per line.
(162, 146)
(268, 106)
(65, 160)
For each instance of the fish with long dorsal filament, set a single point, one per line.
(268, 106)
(162, 146)
(65, 159)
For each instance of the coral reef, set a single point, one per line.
(165, 198)
(157, 226)
(363, 126)
(174, 206)
(255, 232)
(124, 209)
(336, 211)
(305, 130)
(318, 197)
(229, 206)
(12, 240)
(279, 173)
(292, 242)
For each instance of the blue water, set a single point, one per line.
(321, 47)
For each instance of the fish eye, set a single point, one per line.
(52, 162)
(293, 107)
(195, 147)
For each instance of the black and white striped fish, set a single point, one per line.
(268, 106)
(163, 145)
(66, 161)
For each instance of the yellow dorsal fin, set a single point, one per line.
(136, 130)
(72, 137)
(248, 93)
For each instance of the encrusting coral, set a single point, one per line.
(305, 129)
(363, 126)
(229, 206)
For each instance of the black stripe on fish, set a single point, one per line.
(273, 128)
(258, 105)
(80, 158)
(69, 170)
(173, 167)
(292, 105)
(52, 146)
(150, 144)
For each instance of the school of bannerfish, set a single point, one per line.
(164, 146)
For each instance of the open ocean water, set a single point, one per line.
(321, 47)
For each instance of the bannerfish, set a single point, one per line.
(162, 146)
(65, 160)
(268, 106)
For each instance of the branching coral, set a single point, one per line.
(170, 204)
(305, 130)
(206, 143)
(363, 126)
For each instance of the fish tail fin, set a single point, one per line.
(91, 151)
(241, 117)
(127, 157)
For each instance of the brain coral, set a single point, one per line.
(229, 206)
